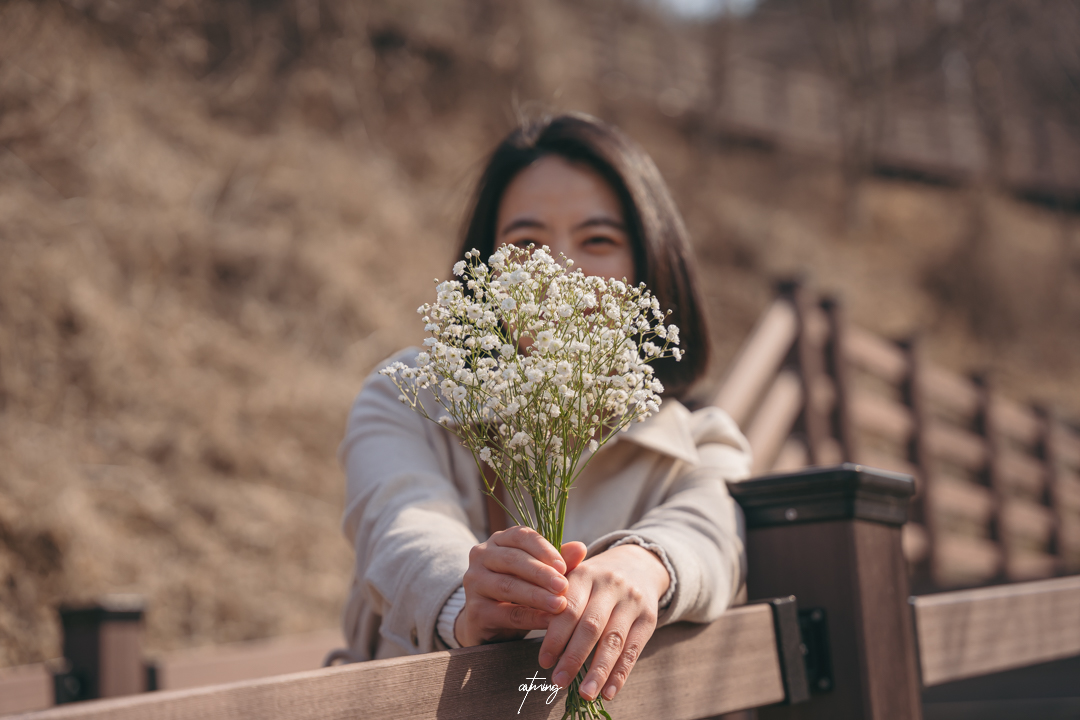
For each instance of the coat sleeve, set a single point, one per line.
(404, 516)
(698, 524)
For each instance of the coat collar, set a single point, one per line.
(668, 432)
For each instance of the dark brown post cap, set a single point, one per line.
(840, 492)
(110, 608)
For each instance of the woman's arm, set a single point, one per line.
(405, 516)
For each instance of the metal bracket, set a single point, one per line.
(815, 639)
(789, 648)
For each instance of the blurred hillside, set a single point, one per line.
(215, 218)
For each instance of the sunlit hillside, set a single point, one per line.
(216, 218)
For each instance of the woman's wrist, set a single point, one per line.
(656, 574)
(660, 555)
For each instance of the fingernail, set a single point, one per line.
(589, 689)
(555, 603)
(609, 693)
(559, 584)
(546, 660)
(561, 678)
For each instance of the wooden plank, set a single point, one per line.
(950, 443)
(963, 560)
(1014, 421)
(774, 420)
(950, 390)
(962, 499)
(24, 688)
(976, 632)
(245, 661)
(1070, 535)
(1023, 565)
(792, 456)
(1023, 519)
(685, 672)
(874, 355)
(1017, 469)
(1067, 442)
(1067, 491)
(758, 361)
(882, 417)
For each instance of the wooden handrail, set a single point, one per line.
(876, 356)
(976, 632)
(758, 362)
(774, 419)
(686, 672)
(950, 390)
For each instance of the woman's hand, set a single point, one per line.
(515, 583)
(612, 604)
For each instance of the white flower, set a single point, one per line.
(544, 339)
(589, 365)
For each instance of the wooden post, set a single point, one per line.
(1048, 453)
(811, 364)
(103, 650)
(990, 474)
(924, 572)
(836, 367)
(831, 536)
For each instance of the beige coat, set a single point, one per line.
(414, 509)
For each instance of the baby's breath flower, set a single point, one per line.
(533, 363)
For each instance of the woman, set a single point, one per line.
(656, 535)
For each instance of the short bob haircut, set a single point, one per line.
(657, 234)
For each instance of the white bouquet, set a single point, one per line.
(532, 363)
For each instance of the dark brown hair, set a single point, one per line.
(657, 234)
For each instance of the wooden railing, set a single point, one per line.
(998, 482)
(833, 635)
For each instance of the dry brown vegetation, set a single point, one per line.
(215, 218)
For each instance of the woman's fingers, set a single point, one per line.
(573, 554)
(577, 630)
(513, 561)
(485, 620)
(531, 542)
(616, 653)
(511, 589)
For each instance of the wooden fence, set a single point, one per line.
(840, 637)
(998, 482)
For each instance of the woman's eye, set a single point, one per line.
(524, 244)
(598, 241)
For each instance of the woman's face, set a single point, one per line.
(570, 208)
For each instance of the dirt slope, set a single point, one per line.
(215, 220)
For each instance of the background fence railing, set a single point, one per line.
(998, 482)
